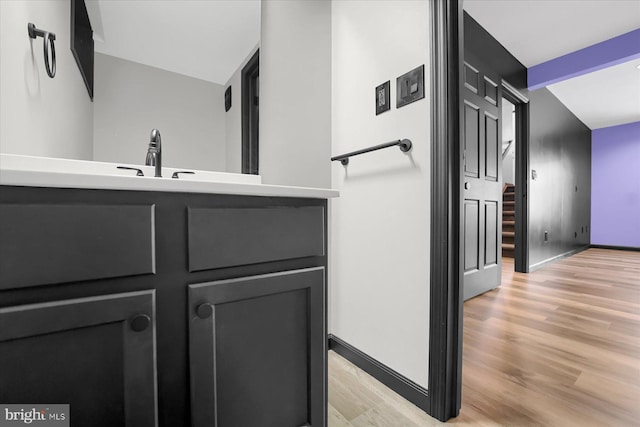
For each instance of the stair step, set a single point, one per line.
(508, 253)
(508, 219)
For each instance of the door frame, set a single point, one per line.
(446, 268)
(250, 94)
(521, 102)
(445, 304)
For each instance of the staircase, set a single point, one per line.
(508, 220)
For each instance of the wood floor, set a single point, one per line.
(556, 347)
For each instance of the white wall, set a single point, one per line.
(41, 116)
(295, 93)
(233, 118)
(509, 167)
(379, 247)
(509, 134)
(131, 99)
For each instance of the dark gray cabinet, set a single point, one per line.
(96, 354)
(168, 309)
(256, 346)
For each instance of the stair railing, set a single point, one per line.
(506, 150)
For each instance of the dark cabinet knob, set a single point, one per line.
(140, 322)
(204, 310)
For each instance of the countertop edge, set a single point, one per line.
(29, 178)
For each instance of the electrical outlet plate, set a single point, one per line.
(383, 95)
(410, 87)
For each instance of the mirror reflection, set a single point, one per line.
(167, 65)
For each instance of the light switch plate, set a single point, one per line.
(383, 97)
(410, 87)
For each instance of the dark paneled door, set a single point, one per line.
(482, 181)
(257, 348)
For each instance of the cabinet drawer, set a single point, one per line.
(43, 244)
(225, 237)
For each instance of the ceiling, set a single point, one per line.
(535, 31)
(205, 39)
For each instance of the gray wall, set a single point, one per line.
(559, 150)
(40, 116)
(508, 134)
(560, 153)
(131, 99)
(295, 93)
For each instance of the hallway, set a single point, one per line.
(557, 347)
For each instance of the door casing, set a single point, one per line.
(521, 102)
(445, 302)
(446, 297)
(250, 112)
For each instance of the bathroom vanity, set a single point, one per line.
(145, 301)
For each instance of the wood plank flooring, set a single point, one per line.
(556, 347)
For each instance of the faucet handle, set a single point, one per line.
(132, 169)
(175, 174)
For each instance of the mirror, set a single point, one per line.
(167, 64)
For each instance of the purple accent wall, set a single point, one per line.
(608, 53)
(615, 185)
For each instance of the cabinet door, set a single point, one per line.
(96, 354)
(258, 351)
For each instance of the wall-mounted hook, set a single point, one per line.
(48, 41)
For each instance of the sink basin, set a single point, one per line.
(198, 175)
(82, 167)
(31, 171)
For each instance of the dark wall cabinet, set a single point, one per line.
(144, 308)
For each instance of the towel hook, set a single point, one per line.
(48, 41)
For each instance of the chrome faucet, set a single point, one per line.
(154, 153)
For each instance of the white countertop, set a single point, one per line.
(31, 171)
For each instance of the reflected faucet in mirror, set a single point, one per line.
(154, 153)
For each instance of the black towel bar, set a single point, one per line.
(405, 145)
